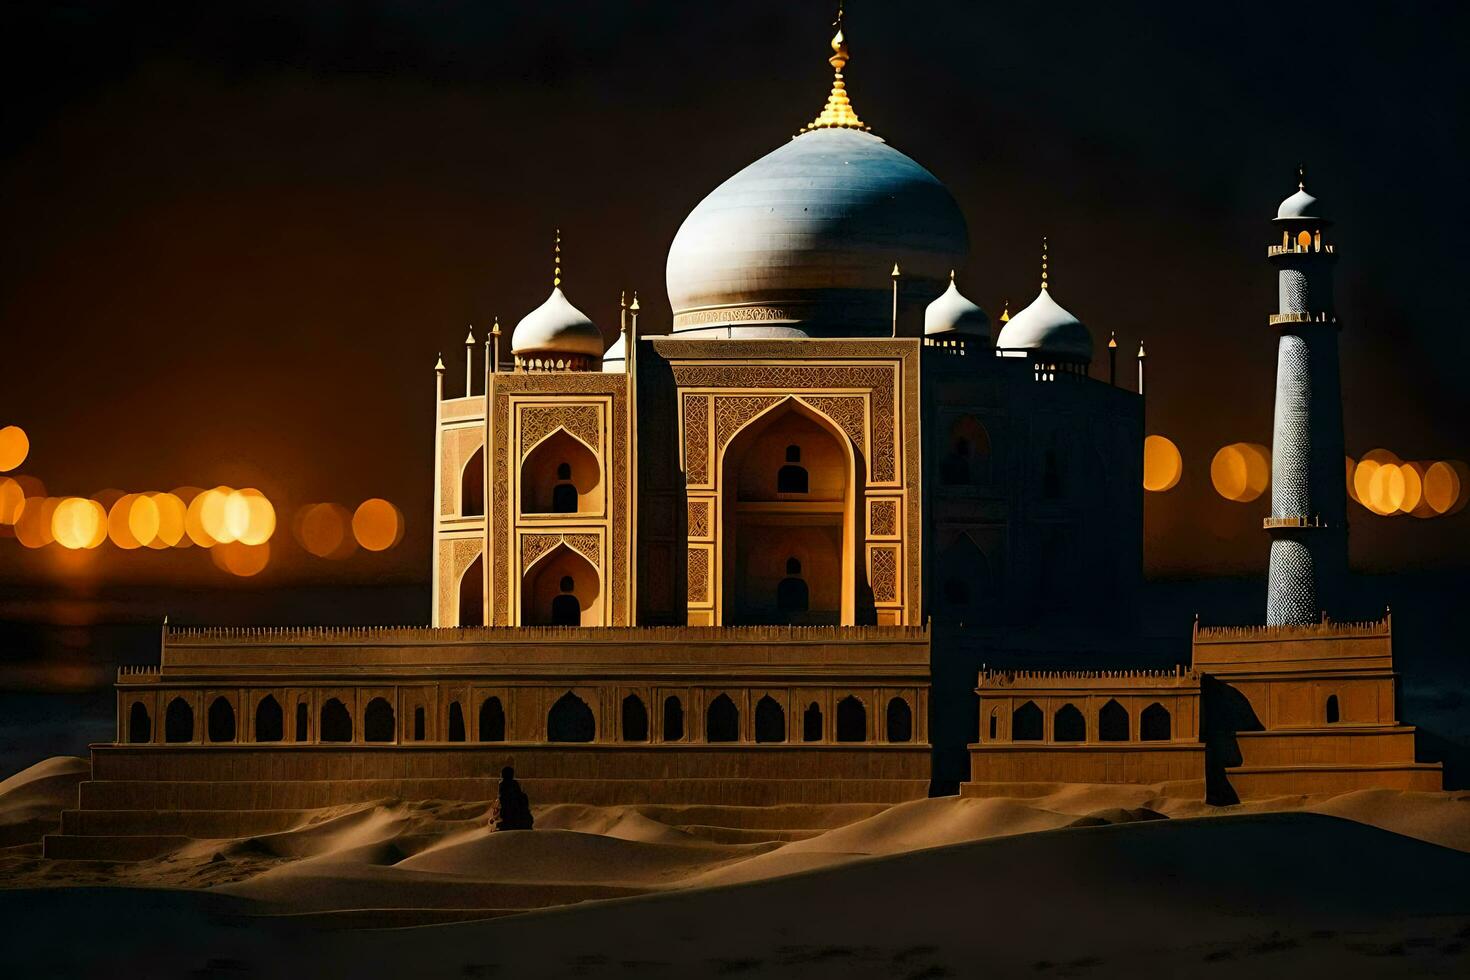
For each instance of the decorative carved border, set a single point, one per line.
(696, 440)
(883, 574)
(883, 517)
(700, 525)
(699, 576)
(538, 421)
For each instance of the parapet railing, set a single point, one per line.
(1327, 627)
(1276, 319)
(1296, 248)
(1179, 673)
(513, 634)
(143, 672)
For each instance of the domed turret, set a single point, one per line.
(1301, 206)
(953, 314)
(556, 336)
(1047, 328)
(800, 243)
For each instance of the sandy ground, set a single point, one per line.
(1083, 881)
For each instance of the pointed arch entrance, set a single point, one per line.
(561, 588)
(787, 536)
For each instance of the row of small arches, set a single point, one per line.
(569, 720)
(1069, 724)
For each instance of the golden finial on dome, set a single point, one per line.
(556, 259)
(1044, 283)
(1301, 177)
(838, 113)
(1005, 313)
(1113, 340)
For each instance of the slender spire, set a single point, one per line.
(838, 113)
(1005, 312)
(1301, 177)
(556, 262)
(1113, 340)
(1044, 283)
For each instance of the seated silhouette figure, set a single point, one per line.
(513, 808)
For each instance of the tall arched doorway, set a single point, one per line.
(472, 594)
(789, 538)
(561, 476)
(561, 588)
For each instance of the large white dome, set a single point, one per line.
(802, 242)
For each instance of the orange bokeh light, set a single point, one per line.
(15, 446)
(240, 559)
(119, 523)
(1386, 489)
(12, 499)
(377, 524)
(325, 530)
(1241, 471)
(79, 523)
(33, 529)
(171, 514)
(143, 518)
(1162, 464)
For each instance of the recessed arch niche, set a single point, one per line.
(771, 534)
(561, 475)
(561, 588)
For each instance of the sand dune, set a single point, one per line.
(31, 801)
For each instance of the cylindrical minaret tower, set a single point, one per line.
(1308, 522)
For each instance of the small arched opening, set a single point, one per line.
(852, 720)
(968, 460)
(378, 722)
(994, 723)
(561, 588)
(1332, 709)
(303, 721)
(770, 720)
(900, 721)
(570, 720)
(419, 724)
(472, 486)
(792, 477)
(472, 594)
(1154, 725)
(336, 723)
(792, 595)
(1112, 722)
(722, 721)
(635, 719)
(811, 723)
(270, 720)
(178, 721)
(492, 720)
(1027, 723)
(140, 726)
(561, 476)
(221, 720)
(456, 722)
(673, 719)
(1068, 725)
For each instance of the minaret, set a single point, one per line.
(1308, 522)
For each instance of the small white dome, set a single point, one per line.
(557, 327)
(1299, 205)
(615, 360)
(952, 313)
(1048, 329)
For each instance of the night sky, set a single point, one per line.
(234, 240)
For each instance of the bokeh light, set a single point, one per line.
(171, 514)
(33, 529)
(143, 518)
(79, 523)
(325, 530)
(194, 521)
(1241, 471)
(240, 559)
(214, 506)
(15, 446)
(377, 524)
(253, 519)
(119, 523)
(12, 499)
(1162, 464)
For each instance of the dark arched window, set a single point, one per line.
(472, 486)
(178, 721)
(1154, 724)
(570, 720)
(900, 721)
(1112, 723)
(565, 609)
(635, 719)
(673, 719)
(456, 722)
(492, 720)
(722, 723)
(770, 720)
(811, 723)
(378, 723)
(792, 594)
(221, 721)
(1332, 712)
(563, 471)
(336, 722)
(994, 722)
(792, 477)
(472, 594)
(852, 720)
(303, 721)
(140, 728)
(1026, 723)
(270, 721)
(418, 724)
(1068, 725)
(564, 498)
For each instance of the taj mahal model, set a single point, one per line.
(824, 541)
